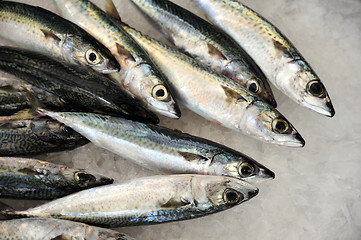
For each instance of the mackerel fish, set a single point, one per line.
(277, 57)
(73, 83)
(40, 30)
(217, 99)
(138, 74)
(33, 179)
(36, 136)
(207, 44)
(17, 95)
(55, 229)
(162, 149)
(150, 200)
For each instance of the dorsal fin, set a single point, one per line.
(213, 51)
(111, 10)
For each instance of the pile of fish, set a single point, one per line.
(88, 76)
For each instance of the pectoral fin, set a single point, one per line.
(192, 156)
(49, 35)
(215, 52)
(232, 95)
(122, 51)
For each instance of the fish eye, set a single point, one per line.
(246, 169)
(253, 86)
(316, 88)
(92, 57)
(160, 92)
(84, 178)
(280, 126)
(232, 197)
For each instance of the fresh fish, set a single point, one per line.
(73, 83)
(159, 148)
(138, 74)
(42, 31)
(207, 44)
(149, 200)
(17, 95)
(12, 99)
(33, 179)
(55, 229)
(37, 136)
(214, 97)
(279, 60)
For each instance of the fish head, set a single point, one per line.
(236, 71)
(267, 124)
(223, 192)
(243, 167)
(90, 53)
(298, 81)
(155, 91)
(85, 179)
(80, 178)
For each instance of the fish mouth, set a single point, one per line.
(324, 107)
(253, 193)
(110, 67)
(172, 112)
(108, 71)
(263, 175)
(267, 174)
(106, 180)
(295, 140)
(331, 109)
(271, 101)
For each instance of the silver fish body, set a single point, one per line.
(149, 200)
(40, 30)
(217, 99)
(277, 57)
(162, 149)
(55, 229)
(33, 179)
(208, 44)
(138, 74)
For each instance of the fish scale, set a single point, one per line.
(43, 31)
(142, 201)
(36, 136)
(161, 149)
(76, 84)
(217, 99)
(206, 43)
(34, 179)
(276, 56)
(138, 75)
(55, 229)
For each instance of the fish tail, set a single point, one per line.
(8, 213)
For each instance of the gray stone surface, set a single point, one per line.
(317, 190)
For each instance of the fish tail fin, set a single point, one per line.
(10, 213)
(21, 115)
